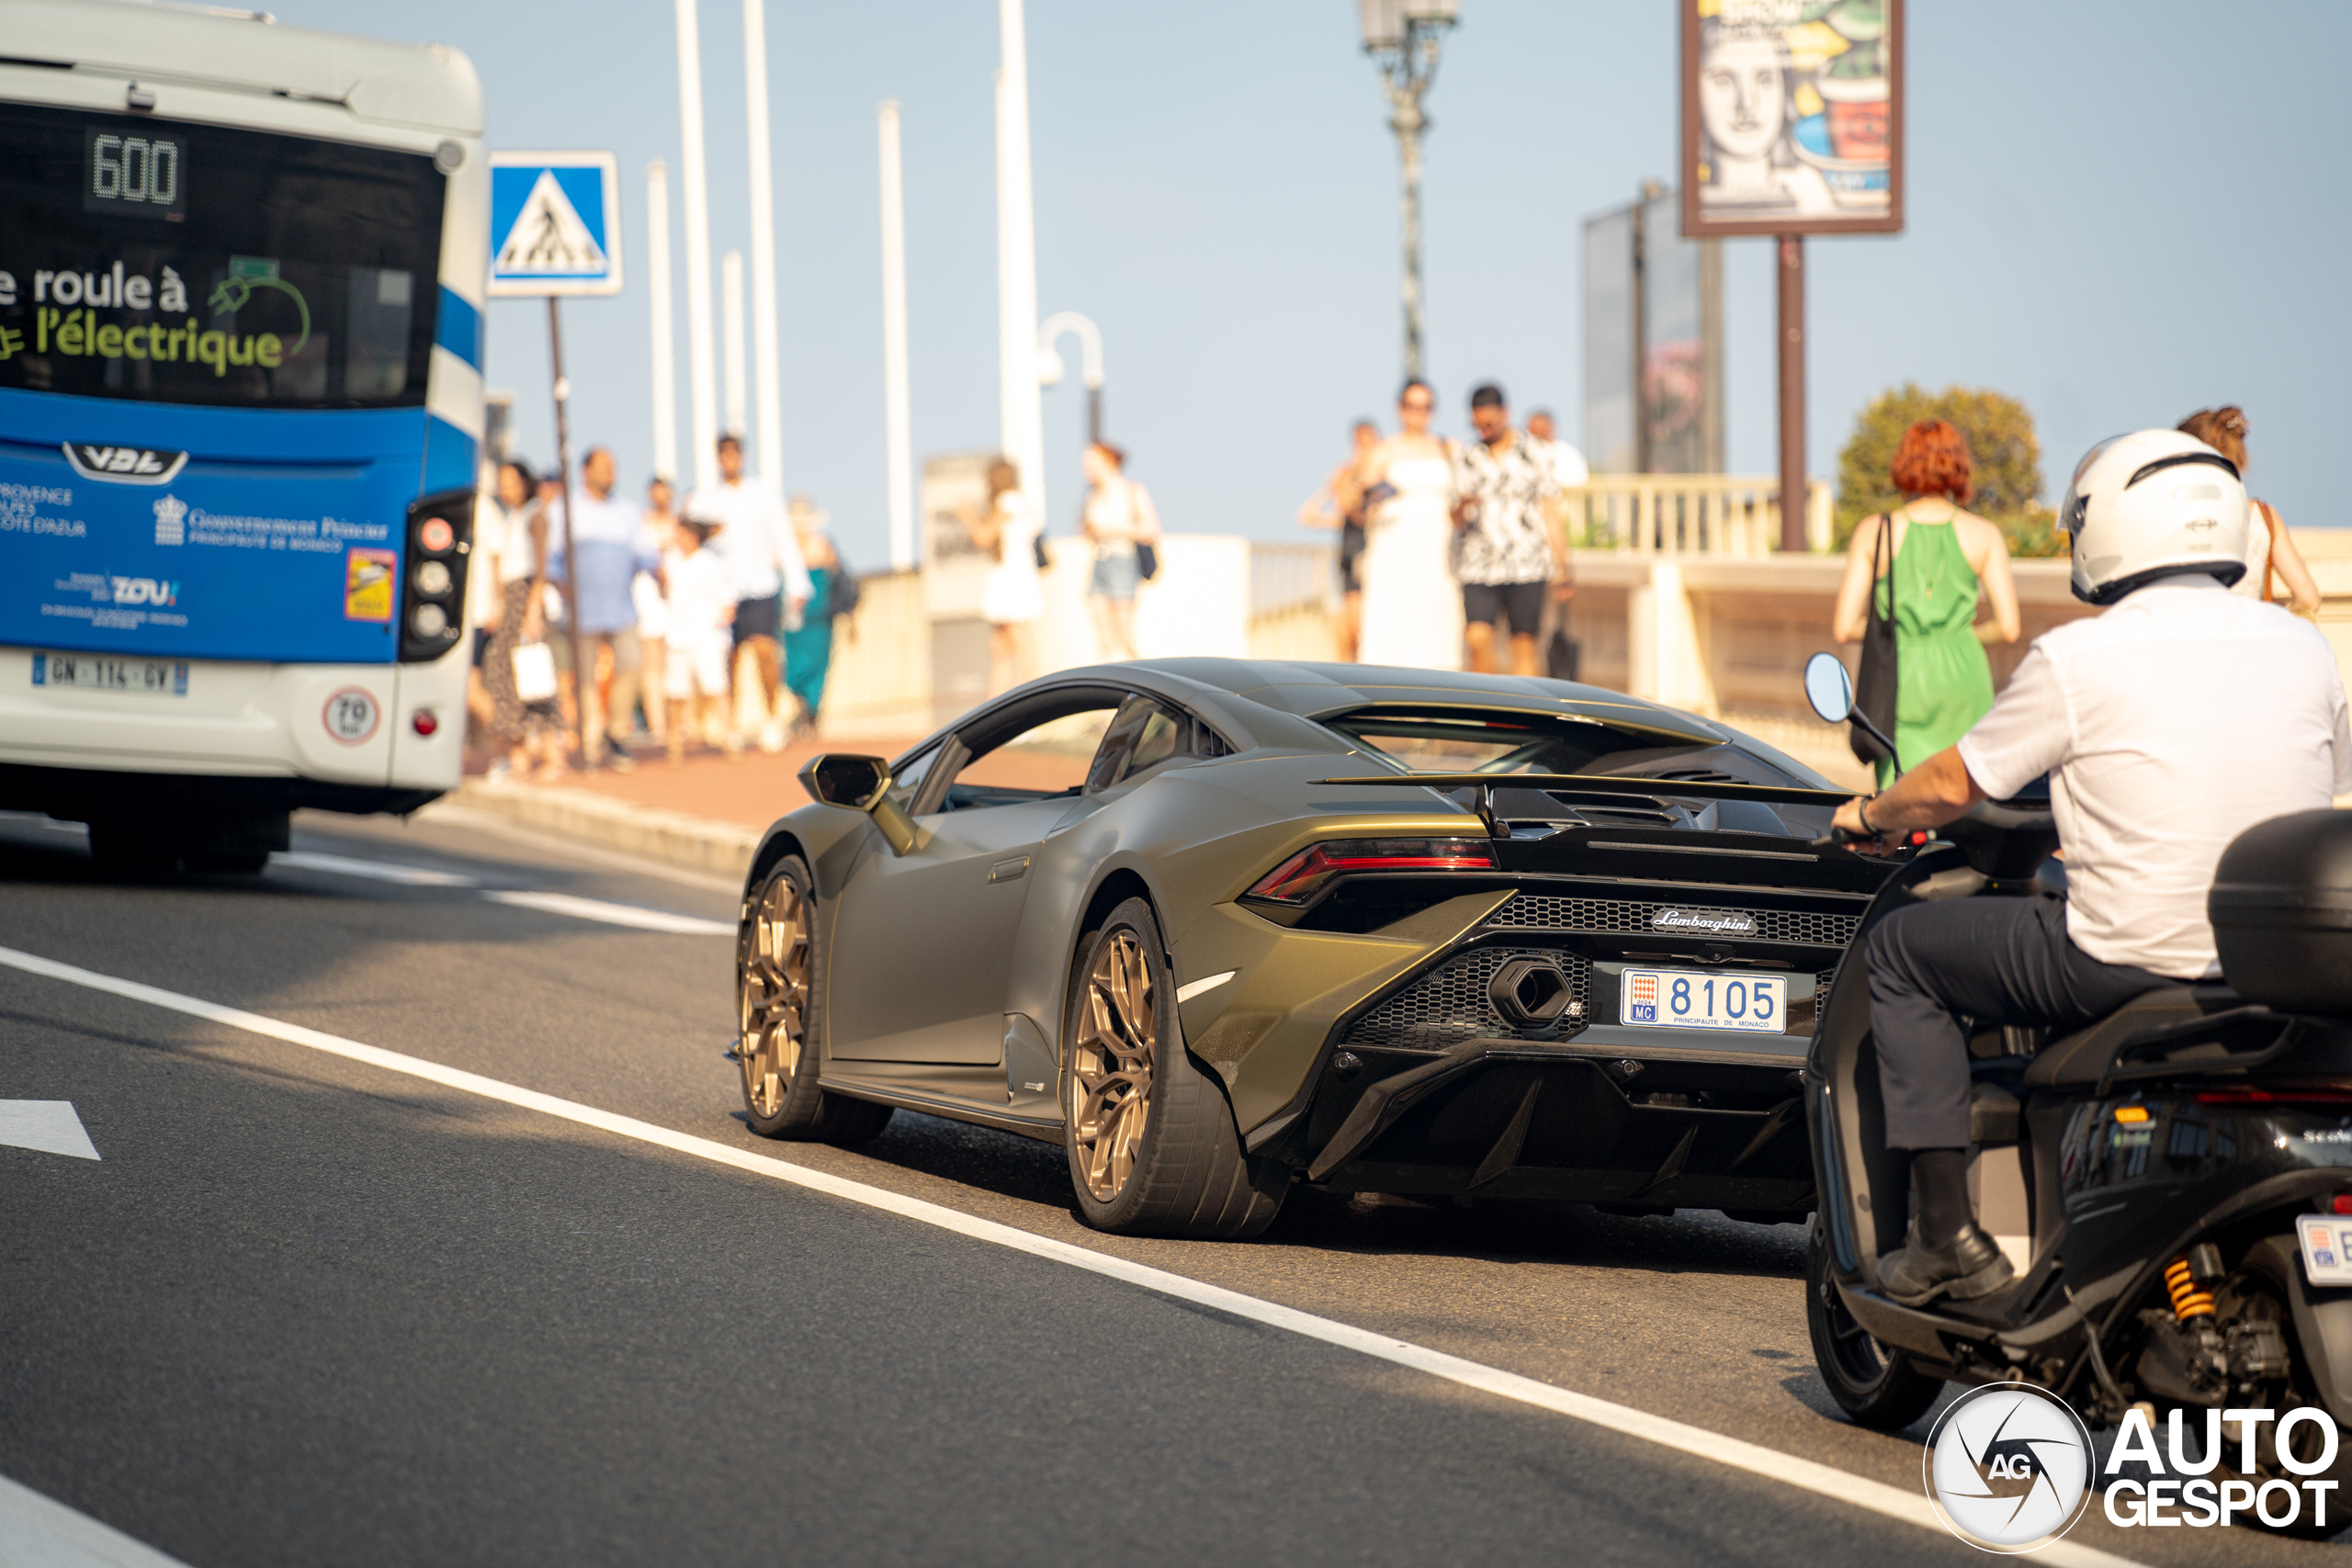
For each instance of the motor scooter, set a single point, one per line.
(2173, 1182)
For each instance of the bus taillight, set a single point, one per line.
(440, 544)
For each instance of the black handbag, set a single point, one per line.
(1146, 559)
(1875, 691)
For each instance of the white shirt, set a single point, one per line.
(754, 537)
(2168, 726)
(702, 592)
(1563, 462)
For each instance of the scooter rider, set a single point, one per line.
(2168, 726)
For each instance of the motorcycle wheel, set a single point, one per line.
(2261, 1294)
(1878, 1391)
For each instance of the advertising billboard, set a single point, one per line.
(1653, 333)
(1791, 117)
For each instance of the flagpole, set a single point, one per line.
(764, 348)
(665, 353)
(701, 393)
(897, 440)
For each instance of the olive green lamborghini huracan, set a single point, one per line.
(1220, 927)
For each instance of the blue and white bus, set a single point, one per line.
(240, 282)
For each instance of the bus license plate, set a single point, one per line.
(1700, 999)
(104, 673)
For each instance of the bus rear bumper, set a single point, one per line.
(239, 738)
(84, 795)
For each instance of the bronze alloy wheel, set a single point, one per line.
(774, 995)
(1111, 1065)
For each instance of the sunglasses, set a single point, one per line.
(1411, 406)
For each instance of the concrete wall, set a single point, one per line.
(1719, 635)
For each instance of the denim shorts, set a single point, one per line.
(1115, 576)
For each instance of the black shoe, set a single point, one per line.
(1968, 1266)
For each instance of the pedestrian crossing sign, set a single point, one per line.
(554, 223)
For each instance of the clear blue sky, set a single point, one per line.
(2117, 213)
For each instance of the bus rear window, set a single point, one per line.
(170, 263)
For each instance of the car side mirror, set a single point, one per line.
(860, 784)
(1829, 688)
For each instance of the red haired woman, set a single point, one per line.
(1929, 560)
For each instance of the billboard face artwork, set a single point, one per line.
(1792, 116)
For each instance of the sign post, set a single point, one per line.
(555, 229)
(1791, 125)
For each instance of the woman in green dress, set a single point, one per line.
(1936, 561)
(808, 647)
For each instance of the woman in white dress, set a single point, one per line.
(1412, 605)
(1005, 529)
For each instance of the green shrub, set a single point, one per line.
(2001, 444)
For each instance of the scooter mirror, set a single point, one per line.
(1829, 688)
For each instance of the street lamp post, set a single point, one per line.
(1050, 369)
(1404, 36)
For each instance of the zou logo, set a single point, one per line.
(145, 590)
(2008, 1468)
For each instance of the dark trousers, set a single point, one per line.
(1995, 960)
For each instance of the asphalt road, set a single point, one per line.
(306, 1310)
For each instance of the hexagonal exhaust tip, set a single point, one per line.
(1530, 992)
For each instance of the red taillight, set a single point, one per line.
(1303, 875)
(2273, 1097)
(2343, 1204)
(436, 534)
(425, 721)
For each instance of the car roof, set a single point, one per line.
(1315, 691)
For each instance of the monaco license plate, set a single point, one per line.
(105, 672)
(1702, 999)
(2327, 1248)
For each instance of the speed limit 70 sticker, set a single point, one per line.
(352, 714)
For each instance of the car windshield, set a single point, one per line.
(1468, 740)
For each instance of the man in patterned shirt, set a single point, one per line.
(1507, 547)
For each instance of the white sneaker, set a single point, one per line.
(772, 738)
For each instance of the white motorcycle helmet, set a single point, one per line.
(2153, 504)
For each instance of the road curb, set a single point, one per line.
(671, 837)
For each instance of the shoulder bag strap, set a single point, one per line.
(2271, 556)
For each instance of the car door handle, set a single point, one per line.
(1009, 869)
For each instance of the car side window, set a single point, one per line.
(1145, 734)
(1044, 759)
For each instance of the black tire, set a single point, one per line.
(1882, 1391)
(227, 862)
(122, 849)
(1153, 1150)
(779, 1014)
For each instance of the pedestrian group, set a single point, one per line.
(686, 614)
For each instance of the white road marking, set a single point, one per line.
(375, 870)
(40, 1532)
(1186, 993)
(632, 915)
(441, 813)
(49, 1125)
(1894, 1502)
(614, 914)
